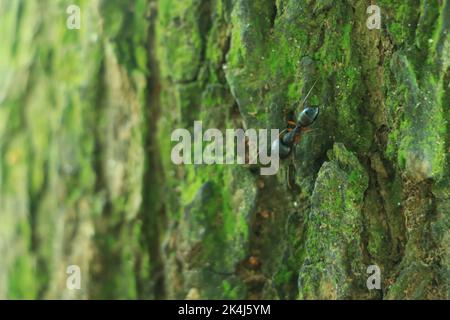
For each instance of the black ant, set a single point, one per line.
(291, 136)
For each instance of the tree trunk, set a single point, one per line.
(86, 176)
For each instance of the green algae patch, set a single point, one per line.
(213, 232)
(332, 266)
(421, 133)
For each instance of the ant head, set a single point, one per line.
(308, 116)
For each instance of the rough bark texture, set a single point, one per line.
(86, 177)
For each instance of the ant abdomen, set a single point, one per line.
(279, 147)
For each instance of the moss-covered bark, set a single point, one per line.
(86, 176)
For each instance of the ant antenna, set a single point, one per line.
(310, 90)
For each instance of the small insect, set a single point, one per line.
(290, 136)
(254, 262)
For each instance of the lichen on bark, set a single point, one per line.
(86, 176)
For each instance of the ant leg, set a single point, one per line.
(305, 130)
(281, 133)
(290, 177)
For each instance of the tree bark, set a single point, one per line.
(86, 176)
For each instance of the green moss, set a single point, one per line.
(333, 231)
(181, 39)
(400, 19)
(230, 292)
(84, 168)
(21, 279)
(420, 150)
(413, 283)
